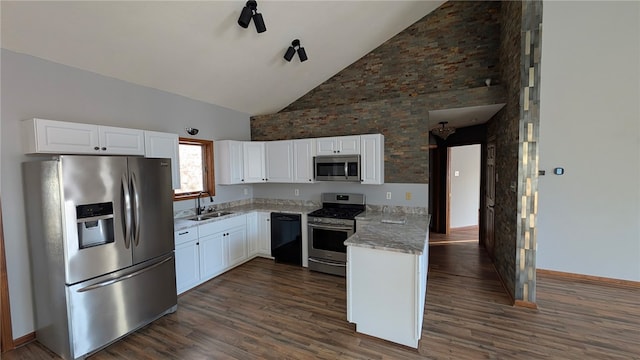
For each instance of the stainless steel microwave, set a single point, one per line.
(337, 168)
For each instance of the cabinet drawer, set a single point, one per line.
(185, 235)
(221, 225)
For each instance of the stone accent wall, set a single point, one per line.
(515, 130)
(529, 124)
(454, 47)
(504, 129)
(439, 62)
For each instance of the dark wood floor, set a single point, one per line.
(263, 310)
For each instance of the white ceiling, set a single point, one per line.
(196, 49)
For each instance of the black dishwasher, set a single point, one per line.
(286, 238)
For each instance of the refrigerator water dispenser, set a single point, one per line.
(95, 224)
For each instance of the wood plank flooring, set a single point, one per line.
(264, 310)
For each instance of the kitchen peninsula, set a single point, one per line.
(387, 262)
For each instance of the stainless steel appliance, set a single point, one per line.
(329, 227)
(100, 233)
(337, 168)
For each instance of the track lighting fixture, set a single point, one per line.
(250, 11)
(295, 46)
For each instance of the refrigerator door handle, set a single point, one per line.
(126, 212)
(124, 277)
(136, 209)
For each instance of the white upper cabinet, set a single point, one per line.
(341, 145)
(164, 145)
(372, 159)
(121, 141)
(229, 162)
(61, 137)
(303, 152)
(254, 162)
(279, 161)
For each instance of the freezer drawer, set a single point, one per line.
(107, 308)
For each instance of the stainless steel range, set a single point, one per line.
(329, 227)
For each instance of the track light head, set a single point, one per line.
(289, 54)
(245, 16)
(259, 22)
(302, 54)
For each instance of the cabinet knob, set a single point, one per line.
(104, 148)
(96, 148)
(242, 180)
(197, 243)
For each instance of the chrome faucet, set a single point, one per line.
(199, 209)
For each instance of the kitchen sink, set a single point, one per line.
(210, 215)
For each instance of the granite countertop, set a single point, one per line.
(399, 232)
(184, 223)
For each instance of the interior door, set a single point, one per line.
(490, 194)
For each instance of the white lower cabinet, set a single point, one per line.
(264, 233)
(207, 250)
(259, 234)
(212, 256)
(235, 242)
(187, 259)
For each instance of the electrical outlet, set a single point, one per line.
(296, 192)
(388, 195)
(407, 196)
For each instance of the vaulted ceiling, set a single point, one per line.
(196, 48)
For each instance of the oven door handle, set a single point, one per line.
(327, 262)
(331, 227)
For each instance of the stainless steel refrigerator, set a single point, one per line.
(100, 234)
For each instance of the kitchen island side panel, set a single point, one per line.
(386, 293)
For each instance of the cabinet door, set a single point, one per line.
(372, 166)
(326, 146)
(254, 162)
(121, 141)
(212, 256)
(50, 136)
(252, 234)
(187, 266)
(279, 161)
(236, 158)
(348, 145)
(303, 153)
(229, 162)
(264, 231)
(164, 145)
(236, 244)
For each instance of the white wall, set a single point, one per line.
(589, 218)
(33, 87)
(464, 165)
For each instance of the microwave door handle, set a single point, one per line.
(346, 170)
(126, 212)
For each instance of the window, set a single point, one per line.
(196, 169)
